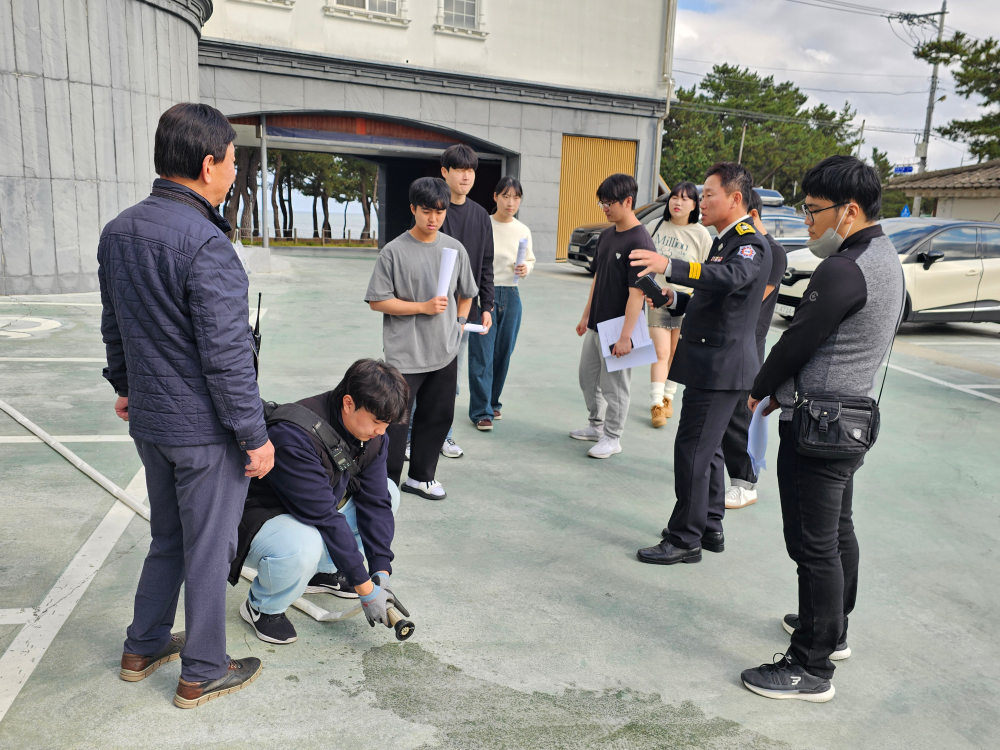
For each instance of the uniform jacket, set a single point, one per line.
(176, 323)
(717, 350)
(307, 484)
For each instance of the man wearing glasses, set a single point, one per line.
(613, 294)
(841, 332)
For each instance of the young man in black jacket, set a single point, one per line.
(842, 331)
(308, 526)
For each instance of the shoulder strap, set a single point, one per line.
(899, 322)
(335, 446)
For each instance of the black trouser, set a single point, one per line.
(698, 466)
(431, 419)
(734, 445)
(816, 496)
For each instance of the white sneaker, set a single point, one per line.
(591, 433)
(740, 497)
(606, 447)
(431, 490)
(451, 449)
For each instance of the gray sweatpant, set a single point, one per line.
(606, 393)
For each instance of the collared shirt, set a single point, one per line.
(745, 217)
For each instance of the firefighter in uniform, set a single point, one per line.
(716, 359)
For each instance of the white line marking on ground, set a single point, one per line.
(17, 616)
(962, 388)
(20, 659)
(955, 343)
(68, 439)
(982, 386)
(53, 359)
(253, 315)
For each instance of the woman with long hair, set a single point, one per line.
(489, 355)
(678, 234)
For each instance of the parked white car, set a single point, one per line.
(952, 270)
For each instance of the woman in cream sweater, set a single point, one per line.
(677, 235)
(489, 355)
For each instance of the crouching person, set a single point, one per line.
(327, 505)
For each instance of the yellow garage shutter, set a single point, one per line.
(586, 162)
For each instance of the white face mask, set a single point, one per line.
(830, 242)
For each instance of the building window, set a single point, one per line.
(460, 13)
(391, 12)
(461, 18)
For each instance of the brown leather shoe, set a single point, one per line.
(135, 667)
(659, 415)
(240, 674)
(668, 404)
(484, 424)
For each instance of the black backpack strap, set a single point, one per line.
(336, 447)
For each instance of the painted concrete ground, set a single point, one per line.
(536, 627)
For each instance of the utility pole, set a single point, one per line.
(742, 138)
(861, 139)
(931, 101)
(667, 78)
(263, 180)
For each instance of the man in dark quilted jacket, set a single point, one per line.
(175, 325)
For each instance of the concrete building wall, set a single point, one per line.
(82, 86)
(530, 124)
(972, 209)
(589, 44)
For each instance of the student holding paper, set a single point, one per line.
(422, 329)
(513, 259)
(613, 294)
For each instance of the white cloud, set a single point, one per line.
(781, 34)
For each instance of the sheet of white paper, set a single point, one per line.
(522, 253)
(474, 328)
(643, 352)
(448, 257)
(757, 437)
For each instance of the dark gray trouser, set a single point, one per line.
(734, 446)
(196, 498)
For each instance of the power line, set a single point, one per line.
(807, 70)
(803, 88)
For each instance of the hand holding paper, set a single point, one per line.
(522, 253)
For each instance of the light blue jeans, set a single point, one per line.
(287, 554)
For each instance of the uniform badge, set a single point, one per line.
(715, 259)
(747, 251)
(744, 228)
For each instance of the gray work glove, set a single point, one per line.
(382, 579)
(376, 604)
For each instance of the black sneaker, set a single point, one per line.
(786, 680)
(791, 623)
(271, 628)
(331, 583)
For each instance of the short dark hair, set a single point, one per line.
(509, 183)
(618, 187)
(754, 203)
(687, 190)
(430, 192)
(185, 135)
(843, 179)
(459, 156)
(734, 177)
(376, 387)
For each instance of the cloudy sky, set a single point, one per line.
(820, 48)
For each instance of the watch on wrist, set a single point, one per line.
(462, 320)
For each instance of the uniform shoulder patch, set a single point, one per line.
(747, 251)
(744, 228)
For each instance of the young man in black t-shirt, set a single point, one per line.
(613, 294)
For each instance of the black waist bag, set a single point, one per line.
(827, 425)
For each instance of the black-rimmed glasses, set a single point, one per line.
(809, 213)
